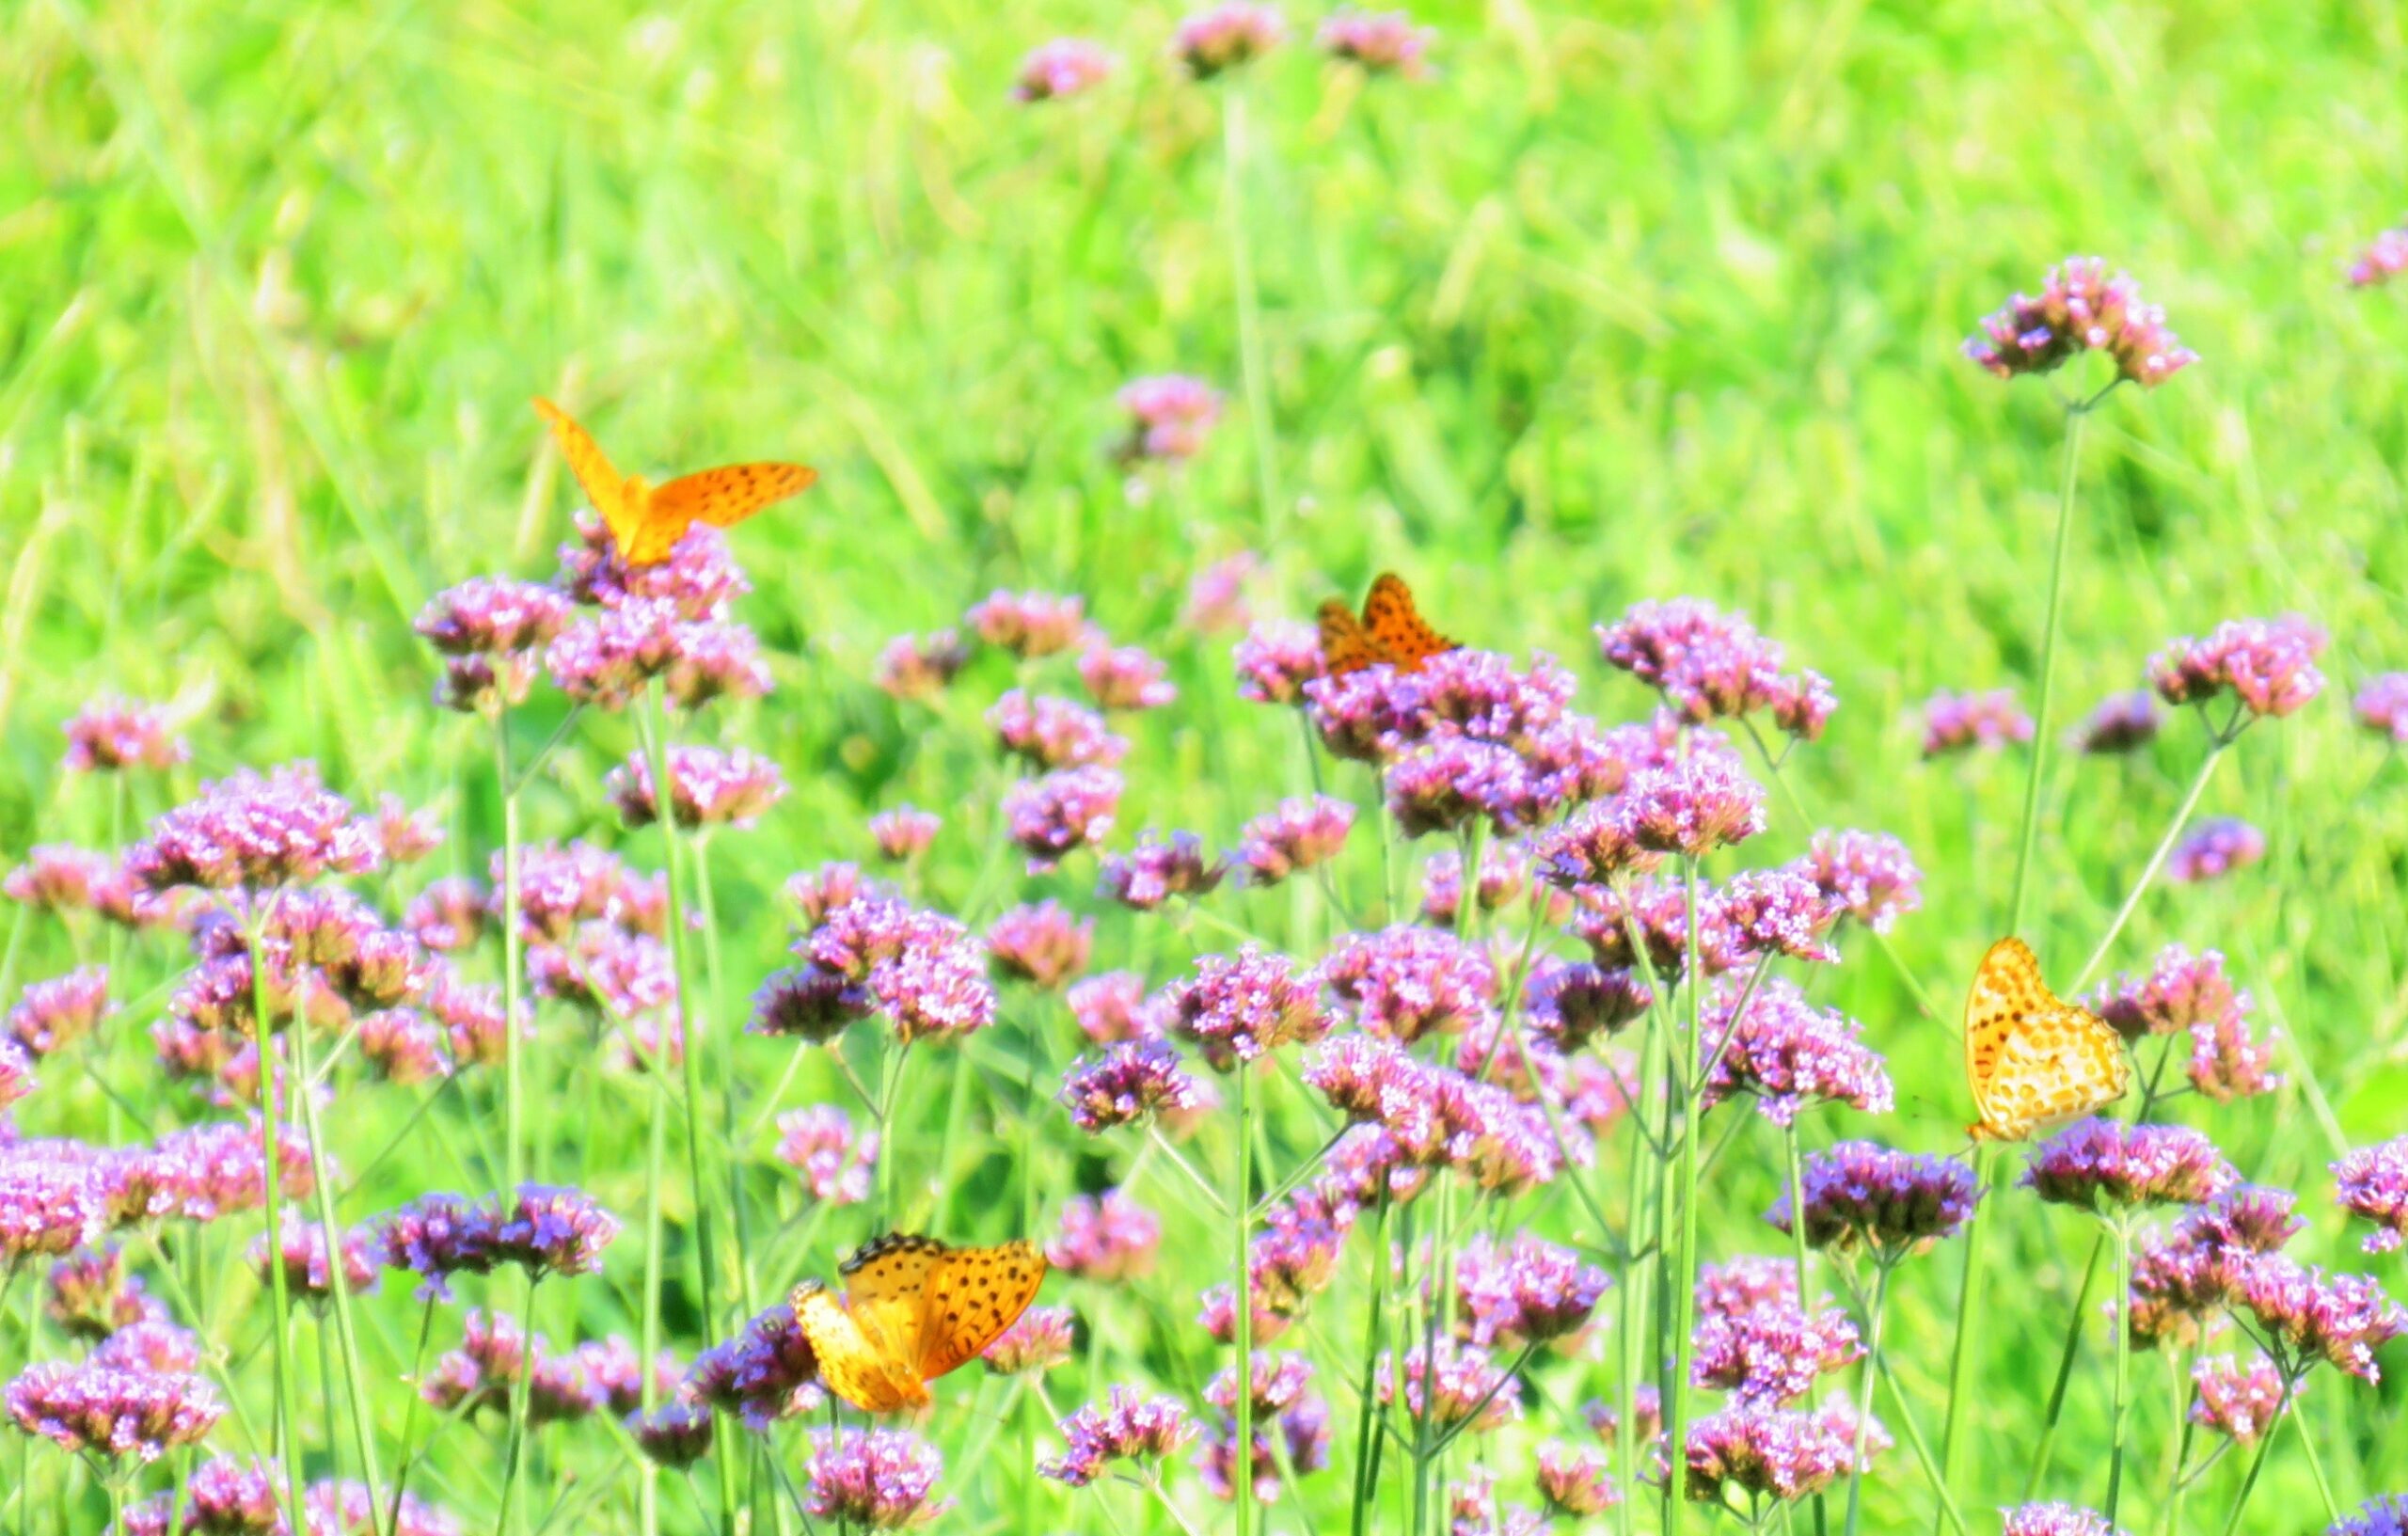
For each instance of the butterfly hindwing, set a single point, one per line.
(1345, 646)
(1395, 623)
(646, 521)
(851, 1365)
(2030, 1058)
(972, 1296)
(595, 475)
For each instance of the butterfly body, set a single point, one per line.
(2032, 1059)
(1390, 632)
(648, 520)
(914, 1309)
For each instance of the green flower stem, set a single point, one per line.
(409, 1418)
(2119, 1232)
(2314, 1463)
(1922, 1449)
(697, 1029)
(2258, 1463)
(1241, 1303)
(1366, 1408)
(656, 1180)
(1687, 1080)
(512, 1512)
(1797, 1207)
(338, 1283)
(2066, 1357)
(1249, 303)
(514, 1067)
(2156, 862)
(2175, 1483)
(730, 1115)
(283, 1432)
(1877, 1314)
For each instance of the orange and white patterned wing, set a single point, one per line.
(2032, 1059)
(851, 1365)
(601, 481)
(1345, 644)
(976, 1294)
(1397, 625)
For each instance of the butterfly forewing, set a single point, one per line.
(726, 496)
(1396, 624)
(595, 475)
(2032, 1058)
(974, 1295)
(1345, 646)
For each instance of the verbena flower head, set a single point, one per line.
(709, 787)
(921, 968)
(94, 1410)
(1659, 910)
(674, 1436)
(2182, 991)
(1301, 834)
(2307, 1316)
(1891, 1202)
(1744, 1284)
(88, 1294)
(152, 1347)
(1157, 869)
(1780, 912)
(882, 1479)
(2081, 309)
(1594, 845)
(1473, 1509)
(284, 829)
(1573, 1481)
(2056, 1520)
(1125, 677)
(51, 1015)
(437, 1238)
(1051, 816)
(563, 886)
(1029, 625)
(1647, 1415)
(1407, 982)
(1275, 661)
(2374, 1185)
(2381, 705)
(810, 1003)
(904, 833)
(111, 735)
(222, 1497)
(1504, 875)
(1786, 1052)
(1461, 1386)
(2123, 723)
(836, 1162)
(1226, 35)
(607, 657)
(921, 666)
(1383, 42)
(57, 877)
(1569, 1005)
(1109, 1008)
(1238, 1009)
(701, 578)
(48, 1206)
(2267, 666)
(1045, 945)
(1216, 597)
(1108, 1237)
(549, 1230)
(1771, 1354)
(766, 1374)
(2389, 1515)
(1711, 665)
(1528, 1292)
(1761, 1453)
(491, 615)
(1956, 722)
(1448, 784)
(208, 1171)
(349, 1508)
(2238, 1401)
(1131, 1083)
(1126, 1429)
(2215, 847)
(1869, 876)
(1040, 1340)
(2381, 262)
(1295, 1440)
(1063, 67)
(1051, 733)
(1169, 414)
(308, 1273)
(2183, 1280)
(1694, 806)
(2230, 1061)
(2096, 1165)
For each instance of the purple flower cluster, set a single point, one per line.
(904, 833)
(1869, 876)
(2056, 1520)
(1063, 67)
(1132, 1081)
(2382, 259)
(606, 656)
(1568, 1005)
(882, 1479)
(283, 829)
(1504, 875)
(1029, 625)
(836, 1162)
(48, 1206)
(2215, 847)
(766, 1374)
(2380, 706)
(2123, 723)
(57, 877)
(1238, 1009)
(2183, 1279)
(1045, 945)
(2389, 1515)
(2374, 1185)
(1157, 869)
(2098, 1164)
(2081, 309)
(489, 630)
(1125, 677)
(1106, 1237)
(921, 666)
(1406, 982)
(2238, 1401)
(1126, 1429)
(2305, 1317)
(1041, 1340)
(102, 1411)
(1055, 815)
(1891, 1202)
(1226, 35)
(1383, 42)
(709, 787)
(1573, 1481)
(308, 1274)
(1711, 665)
(2268, 666)
(1435, 1116)
(1275, 661)
(1525, 1292)
(1770, 1354)
(1171, 413)
(1760, 1451)
(1050, 732)
(1301, 834)
(872, 954)
(1460, 1387)
(541, 1229)
(1786, 1052)
(110, 735)
(51, 1015)
(1957, 722)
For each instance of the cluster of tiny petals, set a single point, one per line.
(1764, 1452)
(1744, 1284)
(2309, 1317)
(921, 666)
(47, 1207)
(1226, 35)
(1957, 722)
(2217, 846)
(1216, 599)
(921, 969)
(111, 733)
(1528, 1292)
(1039, 1340)
(607, 657)
(493, 615)
(1125, 1428)
(2373, 1184)
(539, 1228)
(2122, 723)
(2267, 665)
(2182, 991)
(1170, 414)
(1860, 1192)
(1062, 68)
(1772, 1353)
(1446, 784)
(2382, 259)
(2184, 1278)
(57, 877)
(302, 1255)
(221, 1497)
(1106, 1237)
(1870, 876)
(1237, 1008)
(1780, 911)
(1275, 660)
(2238, 1402)
(904, 833)
(2381, 705)
(1157, 869)
(1051, 733)
(285, 828)
(1383, 42)
(1572, 1481)
(700, 575)
(709, 786)
(2098, 1163)
(1694, 806)
(882, 1479)
(106, 1412)
(1570, 1004)
(1029, 625)
(1109, 1008)
(1407, 982)
(1711, 665)
(2229, 1060)
(1504, 875)
(1786, 1052)
(16, 1073)
(51, 1015)
(2081, 309)
(835, 1160)
(1044, 945)
(1466, 1389)
(1134, 1081)
(1300, 834)
(1125, 677)
(766, 1374)
(1051, 816)
(2056, 1520)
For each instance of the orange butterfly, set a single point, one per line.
(647, 519)
(913, 1310)
(2033, 1059)
(1390, 631)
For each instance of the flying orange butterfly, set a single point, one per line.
(644, 519)
(914, 1309)
(2033, 1059)
(1390, 631)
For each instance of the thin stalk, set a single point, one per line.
(730, 1116)
(2177, 1486)
(1241, 1303)
(696, 1027)
(2055, 1411)
(338, 1283)
(1249, 303)
(2216, 749)
(2027, 838)
(656, 1156)
(2258, 1463)
(1864, 1393)
(513, 1514)
(2119, 1231)
(283, 1433)
(409, 1419)
(1796, 1208)
(512, 1049)
(1687, 1079)
(1366, 1410)
(2315, 1465)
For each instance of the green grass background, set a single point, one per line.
(1627, 301)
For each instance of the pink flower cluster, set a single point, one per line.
(2081, 309)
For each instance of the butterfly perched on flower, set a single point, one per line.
(2033, 1059)
(914, 1309)
(648, 520)
(1390, 630)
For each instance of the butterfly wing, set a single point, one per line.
(972, 1296)
(1396, 624)
(601, 481)
(2030, 1058)
(722, 498)
(1345, 644)
(851, 1364)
